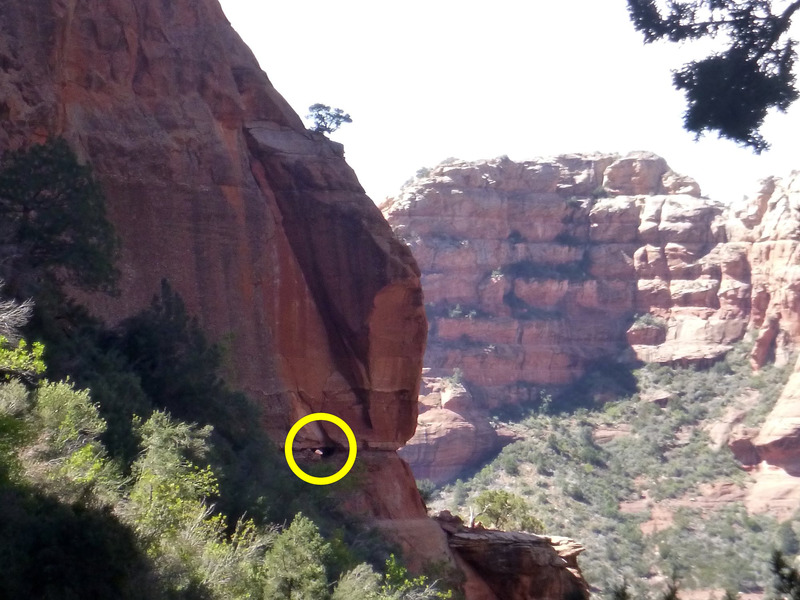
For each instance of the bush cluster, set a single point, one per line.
(577, 487)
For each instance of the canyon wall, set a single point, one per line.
(213, 182)
(540, 273)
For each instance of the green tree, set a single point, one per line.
(426, 489)
(53, 224)
(731, 91)
(67, 415)
(20, 362)
(399, 585)
(71, 460)
(178, 368)
(14, 402)
(787, 578)
(502, 509)
(170, 489)
(327, 119)
(459, 493)
(295, 565)
(787, 540)
(362, 582)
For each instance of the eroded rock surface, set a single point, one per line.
(537, 272)
(453, 432)
(214, 183)
(518, 566)
(534, 271)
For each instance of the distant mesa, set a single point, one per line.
(539, 274)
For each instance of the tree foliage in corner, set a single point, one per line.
(728, 92)
(53, 226)
(327, 119)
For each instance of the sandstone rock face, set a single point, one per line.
(453, 433)
(213, 182)
(778, 442)
(535, 273)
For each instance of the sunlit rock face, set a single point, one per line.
(214, 183)
(535, 273)
(516, 566)
(453, 432)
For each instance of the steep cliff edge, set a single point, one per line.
(539, 273)
(213, 182)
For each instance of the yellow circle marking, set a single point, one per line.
(351, 440)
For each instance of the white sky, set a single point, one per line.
(428, 79)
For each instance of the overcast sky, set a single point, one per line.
(425, 80)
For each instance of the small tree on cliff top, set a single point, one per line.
(502, 509)
(327, 119)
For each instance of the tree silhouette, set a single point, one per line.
(327, 119)
(731, 91)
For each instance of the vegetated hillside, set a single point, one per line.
(647, 483)
(548, 285)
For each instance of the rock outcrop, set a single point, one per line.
(213, 183)
(518, 566)
(538, 273)
(534, 271)
(453, 433)
(778, 442)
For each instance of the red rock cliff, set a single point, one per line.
(214, 183)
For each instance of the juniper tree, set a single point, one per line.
(730, 91)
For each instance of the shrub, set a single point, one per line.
(426, 489)
(294, 566)
(502, 509)
(646, 320)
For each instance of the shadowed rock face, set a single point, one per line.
(214, 183)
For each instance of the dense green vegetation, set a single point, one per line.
(128, 468)
(601, 495)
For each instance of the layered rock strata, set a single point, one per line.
(453, 432)
(534, 271)
(540, 272)
(214, 183)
